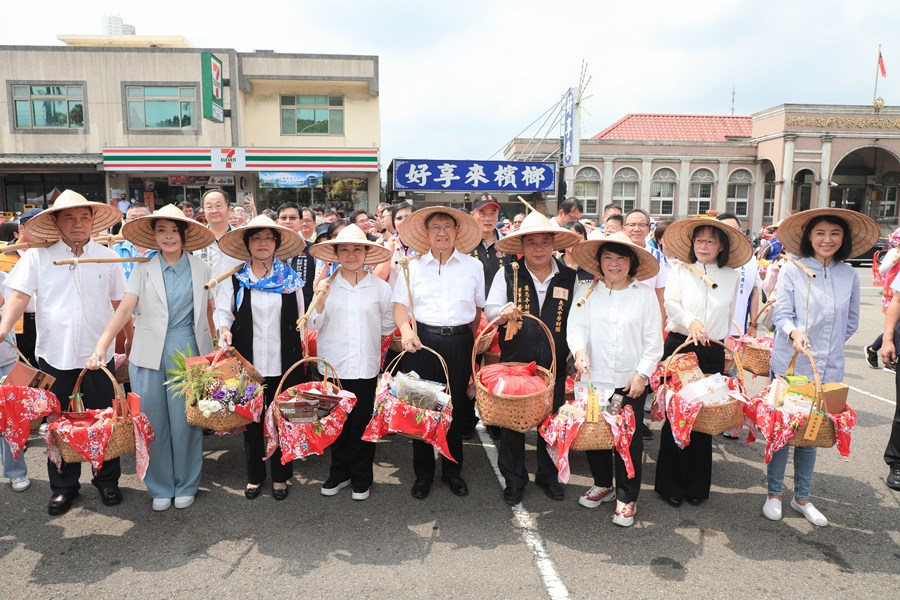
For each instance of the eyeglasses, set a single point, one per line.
(637, 225)
(308, 220)
(440, 228)
(706, 242)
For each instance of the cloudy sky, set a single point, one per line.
(459, 79)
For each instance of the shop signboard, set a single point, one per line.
(571, 139)
(241, 159)
(211, 78)
(291, 179)
(474, 175)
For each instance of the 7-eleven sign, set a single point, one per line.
(228, 158)
(212, 80)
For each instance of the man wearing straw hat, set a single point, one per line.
(73, 304)
(541, 286)
(445, 291)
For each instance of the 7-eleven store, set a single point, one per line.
(346, 178)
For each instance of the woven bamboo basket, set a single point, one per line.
(826, 436)
(121, 441)
(754, 359)
(221, 420)
(276, 411)
(122, 375)
(483, 343)
(518, 413)
(715, 418)
(35, 423)
(594, 436)
(491, 358)
(448, 410)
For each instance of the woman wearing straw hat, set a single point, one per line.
(818, 314)
(616, 338)
(257, 314)
(72, 306)
(697, 313)
(542, 286)
(354, 312)
(172, 312)
(445, 290)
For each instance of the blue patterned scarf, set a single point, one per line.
(282, 280)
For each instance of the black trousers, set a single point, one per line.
(892, 452)
(98, 393)
(456, 351)
(351, 457)
(511, 454)
(255, 447)
(687, 472)
(28, 338)
(604, 462)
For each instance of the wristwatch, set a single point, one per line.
(642, 376)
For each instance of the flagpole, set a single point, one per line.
(877, 73)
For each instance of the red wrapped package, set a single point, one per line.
(512, 380)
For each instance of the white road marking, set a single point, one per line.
(556, 589)
(871, 395)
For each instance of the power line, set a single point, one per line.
(530, 125)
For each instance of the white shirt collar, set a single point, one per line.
(429, 257)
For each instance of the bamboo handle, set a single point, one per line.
(588, 293)
(102, 260)
(799, 265)
(25, 246)
(220, 278)
(302, 321)
(703, 276)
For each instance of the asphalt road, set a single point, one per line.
(392, 545)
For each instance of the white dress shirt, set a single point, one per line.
(72, 302)
(620, 331)
(748, 280)
(351, 328)
(661, 278)
(443, 295)
(688, 298)
(497, 297)
(266, 311)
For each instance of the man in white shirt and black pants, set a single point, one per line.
(73, 304)
(447, 292)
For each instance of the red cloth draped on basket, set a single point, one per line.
(559, 433)
(735, 345)
(299, 440)
(19, 405)
(512, 380)
(682, 413)
(392, 415)
(90, 442)
(253, 409)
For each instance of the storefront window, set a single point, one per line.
(37, 188)
(341, 193)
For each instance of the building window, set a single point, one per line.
(587, 189)
(625, 189)
(739, 192)
(40, 106)
(769, 195)
(161, 107)
(887, 209)
(701, 192)
(312, 115)
(662, 193)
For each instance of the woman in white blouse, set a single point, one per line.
(697, 313)
(257, 311)
(616, 338)
(353, 314)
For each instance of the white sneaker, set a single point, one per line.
(596, 495)
(330, 488)
(161, 504)
(43, 428)
(811, 513)
(360, 495)
(183, 501)
(20, 484)
(624, 514)
(772, 509)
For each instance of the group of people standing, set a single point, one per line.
(432, 280)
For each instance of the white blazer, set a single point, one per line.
(152, 311)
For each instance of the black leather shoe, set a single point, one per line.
(468, 431)
(111, 496)
(458, 486)
(512, 495)
(893, 479)
(673, 501)
(279, 494)
(252, 492)
(494, 432)
(694, 501)
(646, 433)
(421, 488)
(60, 505)
(553, 489)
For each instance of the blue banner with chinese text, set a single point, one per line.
(474, 175)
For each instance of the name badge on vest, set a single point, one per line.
(560, 293)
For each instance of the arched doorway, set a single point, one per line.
(802, 190)
(867, 180)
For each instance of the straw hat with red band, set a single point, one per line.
(232, 243)
(415, 235)
(536, 222)
(678, 240)
(140, 231)
(864, 232)
(585, 254)
(351, 235)
(44, 225)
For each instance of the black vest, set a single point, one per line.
(305, 265)
(242, 330)
(530, 343)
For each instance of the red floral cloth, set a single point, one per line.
(682, 413)
(559, 432)
(392, 415)
(299, 440)
(18, 406)
(253, 409)
(90, 442)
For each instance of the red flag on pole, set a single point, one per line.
(881, 64)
